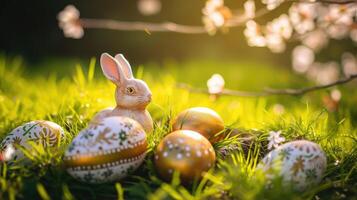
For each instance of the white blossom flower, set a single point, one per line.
(302, 16)
(249, 9)
(337, 31)
(315, 40)
(349, 64)
(272, 4)
(69, 22)
(337, 19)
(277, 31)
(302, 58)
(275, 139)
(324, 73)
(254, 34)
(215, 15)
(275, 43)
(336, 95)
(215, 84)
(280, 26)
(149, 7)
(341, 14)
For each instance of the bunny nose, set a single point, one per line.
(149, 96)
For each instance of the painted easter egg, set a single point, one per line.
(301, 163)
(46, 133)
(185, 151)
(203, 120)
(106, 151)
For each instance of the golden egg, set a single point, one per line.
(185, 151)
(203, 120)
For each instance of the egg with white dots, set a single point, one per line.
(185, 151)
(300, 163)
(25, 137)
(108, 150)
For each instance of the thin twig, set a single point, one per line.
(141, 26)
(270, 91)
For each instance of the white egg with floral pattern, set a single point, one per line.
(300, 163)
(106, 151)
(23, 138)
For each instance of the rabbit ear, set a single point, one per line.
(111, 69)
(125, 66)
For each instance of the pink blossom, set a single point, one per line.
(69, 22)
(275, 139)
(302, 16)
(302, 58)
(315, 40)
(149, 7)
(215, 84)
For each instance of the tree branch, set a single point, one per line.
(185, 29)
(270, 91)
(141, 26)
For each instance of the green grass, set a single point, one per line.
(71, 95)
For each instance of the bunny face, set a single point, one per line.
(130, 93)
(135, 94)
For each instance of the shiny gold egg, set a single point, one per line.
(203, 120)
(185, 151)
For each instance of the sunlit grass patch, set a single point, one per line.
(74, 97)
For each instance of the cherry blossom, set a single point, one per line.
(302, 58)
(349, 64)
(69, 22)
(336, 95)
(215, 15)
(280, 26)
(315, 40)
(254, 34)
(149, 7)
(324, 73)
(302, 16)
(249, 9)
(275, 43)
(275, 139)
(215, 84)
(272, 4)
(337, 19)
(277, 31)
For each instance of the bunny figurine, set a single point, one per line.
(131, 95)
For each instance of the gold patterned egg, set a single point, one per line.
(106, 151)
(300, 163)
(185, 151)
(202, 120)
(46, 133)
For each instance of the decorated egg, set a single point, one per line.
(185, 151)
(202, 120)
(301, 163)
(106, 151)
(47, 133)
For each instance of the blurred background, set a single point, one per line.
(32, 31)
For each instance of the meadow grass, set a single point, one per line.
(70, 96)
